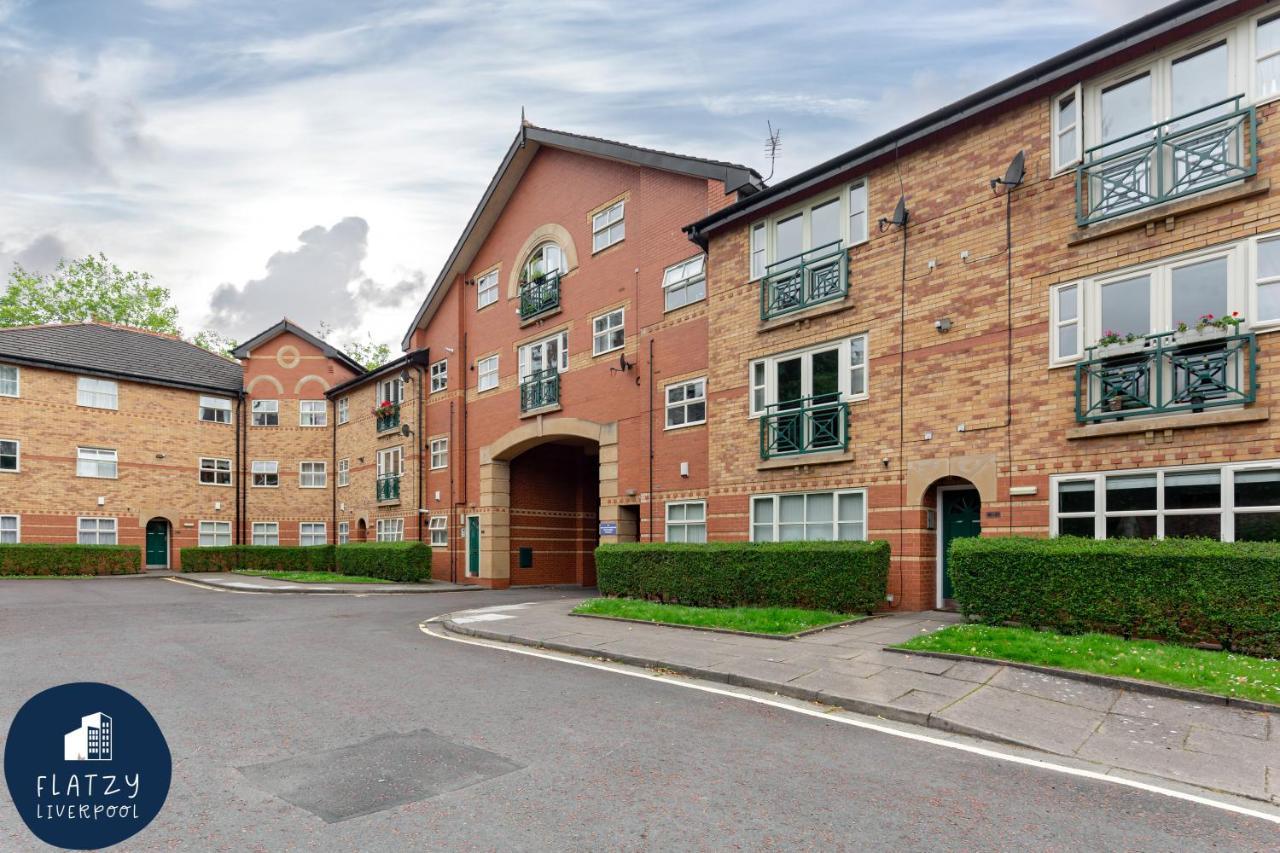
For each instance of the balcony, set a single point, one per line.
(799, 427)
(388, 418)
(388, 488)
(540, 296)
(811, 278)
(1200, 150)
(540, 390)
(1166, 374)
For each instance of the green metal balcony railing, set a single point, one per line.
(389, 419)
(540, 389)
(811, 278)
(388, 487)
(540, 295)
(1163, 375)
(810, 425)
(1199, 150)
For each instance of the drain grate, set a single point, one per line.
(379, 773)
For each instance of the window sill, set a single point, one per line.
(677, 427)
(539, 317)
(1170, 422)
(394, 502)
(820, 310)
(805, 460)
(542, 410)
(1167, 213)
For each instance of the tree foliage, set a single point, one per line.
(89, 288)
(371, 355)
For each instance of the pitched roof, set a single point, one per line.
(121, 352)
(1119, 43)
(285, 325)
(736, 178)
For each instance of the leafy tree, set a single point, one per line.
(371, 355)
(90, 288)
(215, 342)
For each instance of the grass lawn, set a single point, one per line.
(758, 620)
(1222, 673)
(311, 577)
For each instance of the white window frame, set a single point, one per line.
(344, 410)
(15, 381)
(614, 328)
(763, 249)
(440, 375)
(211, 532)
(389, 530)
(304, 474)
(391, 391)
(1226, 505)
(1254, 316)
(685, 524)
(1061, 165)
(95, 393)
(438, 531)
(98, 456)
(218, 407)
(310, 416)
(609, 224)
(486, 289)
(844, 357)
(1254, 60)
(835, 513)
(526, 354)
(216, 466)
(487, 373)
(684, 403)
(16, 529)
(439, 452)
(264, 408)
(391, 461)
(17, 456)
(344, 532)
(102, 527)
(264, 531)
(680, 278)
(310, 530)
(264, 468)
(344, 472)
(1057, 323)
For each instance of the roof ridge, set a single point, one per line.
(635, 147)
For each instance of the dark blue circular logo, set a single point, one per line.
(86, 765)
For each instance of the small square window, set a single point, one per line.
(685, 283)
(390, 530)
(312, 533)
(313, 413)
(215, 534)
(487, 289)
(312, 475)
(97, 393)
(438, 527)
(265, 413)
(266, 474)
(439, 376)
(607, 227)
(8, 380)
(98, 531)
(10, 530)
(608, 333)
(487, 373)
(8, 454)
(687, 521)
(266, 533)
(439, 453)
(687, 403)
(96, 462)
(215, 472)
(215, 410)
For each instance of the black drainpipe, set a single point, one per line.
(333, 468)
(651, 498)
(242, 447)
(422, 458)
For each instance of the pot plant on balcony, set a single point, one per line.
(1209, 328)
(385, 409)
(1113, 344)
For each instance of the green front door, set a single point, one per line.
(157, 543)
(473, 546)
(961, 517)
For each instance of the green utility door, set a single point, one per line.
(157, 544)
(961, 517)
(473, 546)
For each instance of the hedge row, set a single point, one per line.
(1179, 590)
(40, 559)
(397, 561)
(847, 577)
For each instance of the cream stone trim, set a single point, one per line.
(279, 386)
(297, 388)
(541, 234)
(288, 357)
(601, 208)
(979, 470)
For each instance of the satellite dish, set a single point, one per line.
(900, 212)
(1017, 170)
(404, 430)
(405, 376)
(622, 362)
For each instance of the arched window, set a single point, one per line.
(544, 260)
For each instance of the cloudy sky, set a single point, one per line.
(318, 158)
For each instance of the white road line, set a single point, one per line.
(862, 724)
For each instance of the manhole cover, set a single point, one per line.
(376, 774)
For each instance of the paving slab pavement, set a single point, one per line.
(1221, 748)
(252, 583)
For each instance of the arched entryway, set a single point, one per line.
(543, 494)
(159, 543)
(362, 531)
(959, 515)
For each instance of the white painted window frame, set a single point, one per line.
(216, 529)
(16, 380)
(215, 467)
(90, 388)
(685, 524)
(98, 460)
(17, 456)
(344, 532)
(602, 338)
(272, 409)
(439, 453)
(438, 531)
(311, 417)
(759, 263)
(668, 406)
(683, 281)
(844, 357)
(487, 377)
(265, 530)
(264, 468)
(439, 375)
(486, 289)
(322, 472)
(835, 512)
(343, 473)
(1058, 129)
(219, 407)
(112, 525)
(17, 529)
(526, 354)
(606, 223)
(318, 529)
(389, 530)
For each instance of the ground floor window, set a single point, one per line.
(390, 530)
(96, 531)
(10, 530)
(687, 521)
(344, 532)
(312, 533)
(1235, 503)
(214, 533)
(812, 516)
(266, 533)
(438, 526)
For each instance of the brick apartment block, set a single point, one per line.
(901, 343)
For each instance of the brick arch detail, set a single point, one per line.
(310, 377)
(543, 233)
(279, 386)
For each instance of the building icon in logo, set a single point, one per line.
(90, 742)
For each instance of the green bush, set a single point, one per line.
(1179, 590)
(406, 562)
(259, 558)
(847, 577)
(41, 559)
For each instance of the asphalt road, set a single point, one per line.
(296, 722)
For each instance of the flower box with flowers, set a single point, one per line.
(1208, 328)
(385, 409)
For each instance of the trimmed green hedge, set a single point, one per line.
(1179, 590)
(847, 577)
(406, 562)
(40, 559)
(397, 561)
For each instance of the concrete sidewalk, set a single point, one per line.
(1207, 745)
(252, 583)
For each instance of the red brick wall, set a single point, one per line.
(554, 501)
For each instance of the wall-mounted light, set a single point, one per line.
(684, 469)
(943, 325)
(102, 500)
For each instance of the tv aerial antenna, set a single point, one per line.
(771, 146)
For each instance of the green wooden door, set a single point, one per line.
(157, 543)
(961, 517)
(473, 546)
